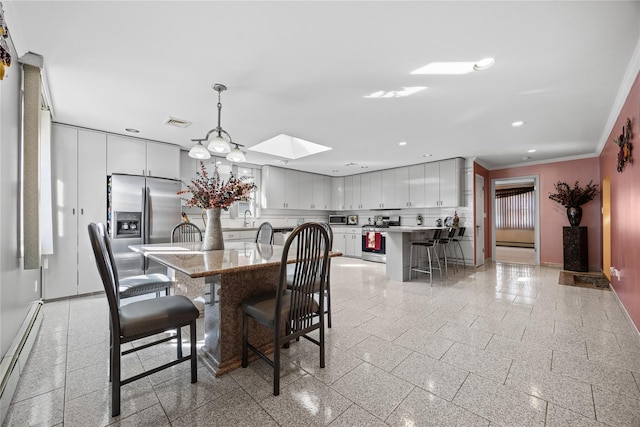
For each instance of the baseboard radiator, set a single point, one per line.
(14, 360)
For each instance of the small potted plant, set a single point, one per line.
(573, 198)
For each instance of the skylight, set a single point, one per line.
(288, 147)
(406, 91)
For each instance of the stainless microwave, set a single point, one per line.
(338, 219)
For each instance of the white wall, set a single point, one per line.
(17, 289)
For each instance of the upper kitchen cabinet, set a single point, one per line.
(352, 196)
(337, 193)
(444, 184)
(417, 188)
(163, 160)
(280, 188)
(292, 189)
(78, 167)
(135, 156)
(188, 168)
(401, 189)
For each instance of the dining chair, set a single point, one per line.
(186, 232)
(140, 319)
(264, 234)
(293, 311)
(141, 284)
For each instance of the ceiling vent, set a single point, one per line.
(179, 123)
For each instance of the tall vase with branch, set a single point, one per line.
(214, 194)
(573, 198)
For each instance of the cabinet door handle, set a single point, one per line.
(81, 211)
(73, 211)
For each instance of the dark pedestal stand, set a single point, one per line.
(576, 248)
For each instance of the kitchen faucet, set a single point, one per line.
(245, 224)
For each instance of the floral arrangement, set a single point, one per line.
(574, 196)
(213, 192)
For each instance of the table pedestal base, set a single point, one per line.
(220, 298)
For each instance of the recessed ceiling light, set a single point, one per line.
(351, 164)
(517, 124)
(533, 150)
(132, 130)
(526, 158)
(483, 64)
(427, 155)
(288, 147)
(402, 144)
(406, 91)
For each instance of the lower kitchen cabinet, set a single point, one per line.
(348, 240)
(79, 197)
(239, 236)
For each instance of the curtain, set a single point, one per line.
(515, 208)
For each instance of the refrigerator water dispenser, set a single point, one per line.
(128, 225)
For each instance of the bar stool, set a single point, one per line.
(430, 246)
(457, 239)
(444, 242)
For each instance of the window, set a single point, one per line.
(515, 208)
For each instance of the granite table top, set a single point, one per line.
(188, 258)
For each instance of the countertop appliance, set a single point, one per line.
(338, 219)
(140, 210)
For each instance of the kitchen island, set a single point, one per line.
(218, 282)
(399, 249)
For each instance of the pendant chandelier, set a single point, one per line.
(219, 139)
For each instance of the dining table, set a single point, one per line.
(218, 281)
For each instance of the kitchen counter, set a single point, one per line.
(398, 242)
(239, 229)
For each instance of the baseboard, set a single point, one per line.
(14, 361)
(624, 310)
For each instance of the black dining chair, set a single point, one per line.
(292, 312)
(264, 234)
(140, 319)
(141, 284)
(186, 232)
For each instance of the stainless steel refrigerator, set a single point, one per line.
(140, 210)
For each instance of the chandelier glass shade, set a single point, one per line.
(199, 151)
(236, 155)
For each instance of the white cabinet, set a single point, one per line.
(321, 192)
(292, 189)
(337, 194)
(444, 184)
(79, 197)
(139, 157)
(163, 160)
(417, 187)
(348, 240)
(389, 189)
(188, 168)
(401, 196)
(239, 236)
(126, 155)
(280, 188)
(352, 196)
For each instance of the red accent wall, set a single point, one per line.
(553, 216)
(625, 207)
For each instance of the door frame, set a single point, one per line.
(536, 231)
(480, 217)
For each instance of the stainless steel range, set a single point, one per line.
(374, 239)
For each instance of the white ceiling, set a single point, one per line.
(303, 69)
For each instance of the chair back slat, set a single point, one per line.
(106, 267)
(264, 235)
(312, 254)
(186, 232)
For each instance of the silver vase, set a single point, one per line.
(213, 239)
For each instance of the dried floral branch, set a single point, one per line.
(213, 192)
(574, 196)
